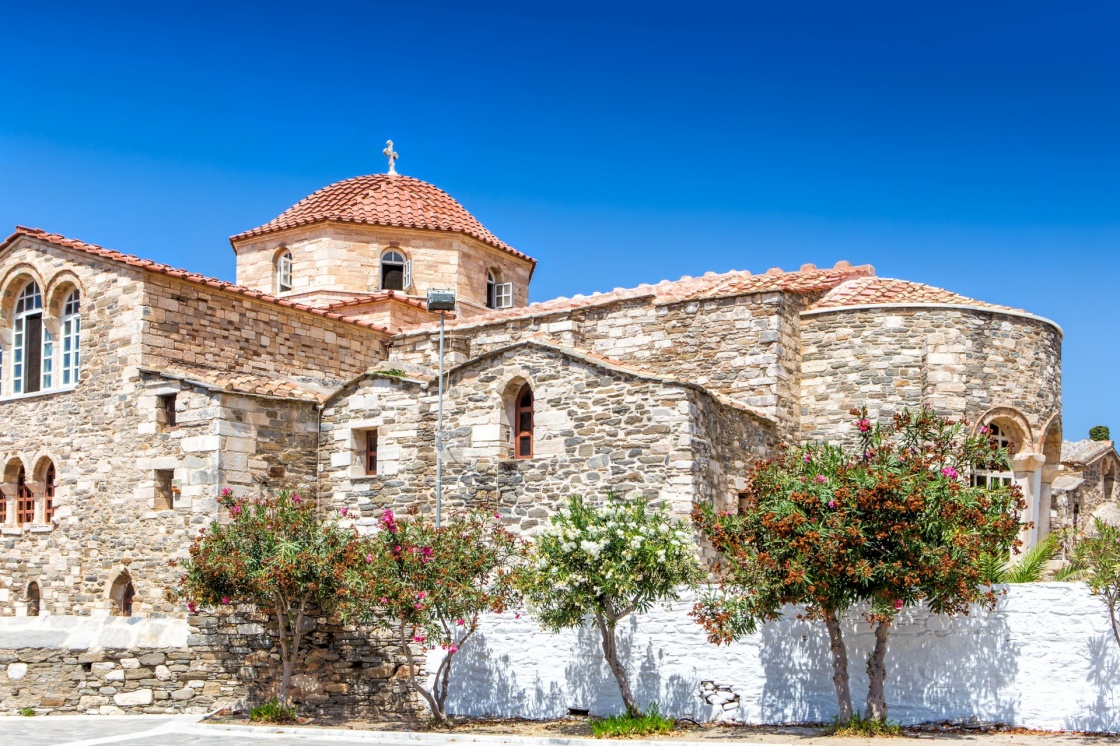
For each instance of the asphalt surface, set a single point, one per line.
(157, 730)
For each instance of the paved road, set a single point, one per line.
(79, 730)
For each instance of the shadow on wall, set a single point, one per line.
(937, 668)
(486, 681)
(1104, 672)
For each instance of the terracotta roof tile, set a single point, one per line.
(245, 383)
(875, 291)
(807, 280)
(150, 266)
(388, 295)
(383, 199)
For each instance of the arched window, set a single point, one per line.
(396, 271)
(25, 500)
(981, 478)
(498, 294)
(523, 424)
(33, 599)
(48, 494)
(71, 334)
(284, 272)
(121, 594)
(30, 338)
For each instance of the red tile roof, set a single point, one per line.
(383, 199)
(876, 291)
(807, 280)
(387, 295)
(182, 274)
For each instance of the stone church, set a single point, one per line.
(133, 392)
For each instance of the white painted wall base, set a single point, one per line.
(1044, 659)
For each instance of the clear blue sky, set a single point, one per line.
(973, 146)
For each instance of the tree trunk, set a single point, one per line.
(839, 666)
(1113, 601)
(877, 672)
(610, 652)
(282, 632)
(437, 710)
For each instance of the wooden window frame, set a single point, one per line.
(523, 435)
(49, 478)
(284, 272)
(25, 500)
(167, 404)
(369, 453)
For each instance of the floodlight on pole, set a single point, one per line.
(441, 301)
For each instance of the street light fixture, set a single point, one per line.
(440, 301)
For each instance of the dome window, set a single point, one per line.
(284, 272)
(396, 271)
(498, 294)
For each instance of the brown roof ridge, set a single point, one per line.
(806, 280)
(363, 299)
(873, 290)
(182, 274)
(389, 200)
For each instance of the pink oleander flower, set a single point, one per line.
(808, 458)
(459, 622)
(864, 425)
(343, 511)
(384, 600)
(191, 607)
(235, 510)
(426, 551)
(397, 549)
(898, 605)
(421, 595)
(497, 516)
(369, 558)
(984, 429)
(297, 499)
(950, 472)
(821, 478)
(832, 503)
(226, 492)
(517, 615)
(419, 606)
(418, 638)
(453, 649)
(225, 599)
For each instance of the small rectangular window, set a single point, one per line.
(504, 293)
(743, 502)
(167, 409)
(165, 490)
(371, 452)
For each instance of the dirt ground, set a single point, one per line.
(970, 734)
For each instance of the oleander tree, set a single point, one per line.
(605, 562)
(888, 524)
(430, 586)
(1097, 556)
(274, 552)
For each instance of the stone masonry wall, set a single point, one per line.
(195, 665)
(597, 430)
(744, 346)
(186, 326)
(330, 261)
(958, 361)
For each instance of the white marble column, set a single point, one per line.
(1027, 468)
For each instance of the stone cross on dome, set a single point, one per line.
(393, 156)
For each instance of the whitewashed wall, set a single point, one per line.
(1044, 659)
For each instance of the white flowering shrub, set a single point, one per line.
(604, 563)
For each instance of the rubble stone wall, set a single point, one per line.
(194, 665)
(745, 346)
(960, 362)
(598, 430)
(186, 326)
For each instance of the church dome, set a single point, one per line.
(383, 199)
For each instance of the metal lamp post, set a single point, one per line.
(441, 301)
